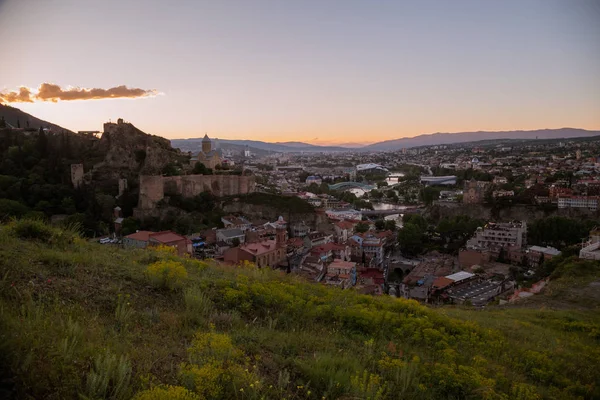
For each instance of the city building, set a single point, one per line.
(590, 250)
(143, 239)
(300, 229)
(581, 202)
(341, 273)
(438, 180)
(313, 179)
(496, 235)
(228, 235)
(503, 193)
(231, 221)
(266, 253)
(537, 253)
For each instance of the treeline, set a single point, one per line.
(448, 235)
(559, 231)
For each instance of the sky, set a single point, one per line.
(317, 71)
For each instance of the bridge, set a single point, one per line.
(382, 213)
(351, 185)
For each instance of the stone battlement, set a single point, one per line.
(153, 187)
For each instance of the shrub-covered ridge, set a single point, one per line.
(78, 320)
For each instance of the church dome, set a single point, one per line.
(206, 138)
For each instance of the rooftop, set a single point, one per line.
(460, 276)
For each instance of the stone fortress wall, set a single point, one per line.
(153, 188)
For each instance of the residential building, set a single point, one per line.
(143, 239)
(343, 230)
(228, 235)
(266, 253)
(138, 239)
(300, 229)
(313, 179)
(503, 193)
(171, 239)
(371, 245)
(535, 254)
(473, 256)
(341, 273)
(496, 235)
(581, 202)
(231, 221)
(590, 250)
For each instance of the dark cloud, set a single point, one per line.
(54, 93)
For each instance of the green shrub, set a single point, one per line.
(167, 274)
(32, 229)
(166, 393)
(37, 229)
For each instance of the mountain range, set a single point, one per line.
(14, 116)
(396, 144)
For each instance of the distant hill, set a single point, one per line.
(463, 137)
(286, 147)
(14, 117)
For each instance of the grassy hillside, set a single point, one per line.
(78, 320)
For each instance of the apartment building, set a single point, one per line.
(495, 235)
(585, 202)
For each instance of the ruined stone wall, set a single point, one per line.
(151, 191)
(154, 188)
(76, 174)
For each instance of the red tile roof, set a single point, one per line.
(345, 224)
(143, 236)
(259, 248)
(441, 282)
(167, 237)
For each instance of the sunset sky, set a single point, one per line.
(318, 71)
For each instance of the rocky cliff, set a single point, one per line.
(517, 212)
(129, 151)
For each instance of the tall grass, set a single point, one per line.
(109, 378)
(198, 306)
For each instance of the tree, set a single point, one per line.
(380, 224)
(361, 227)
(130, 225)
(390, 225)
(376, 194)
(410, 238)
(200, 168)
(235, 242)
(430, 194)
(502, 255)
(42, 142)
(415, 219)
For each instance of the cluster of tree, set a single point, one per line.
(559, 231)
(264, 167)
(283, 204)
(449, 235)
(385, 225)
